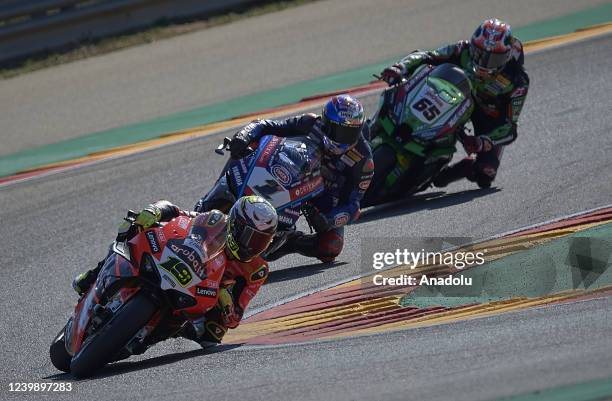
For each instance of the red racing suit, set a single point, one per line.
(241, 282)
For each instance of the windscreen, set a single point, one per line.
(300, 156)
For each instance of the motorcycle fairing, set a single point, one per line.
(284, 171)
(175, 273)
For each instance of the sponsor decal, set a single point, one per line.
(260, 274)
(183, 222)
(285, 219)
(177, 269)
(243, 166)
(291, 212)
(347, 160)
(268, 151)
(169, 280)
(215, 264)
(206, 292)
(219, 260)
(194, 242)
(190, 257)
(369, 166)
(249, 293)
(503, 80)
(281, 174)
(355, 155)
(346, 114)
(153, 242)
(517, 102)
(518, 92)
(162, 236)
(237, 175)
(215, 330)
(307, 187)
(210, 283)
(341, 219)
(364, 184)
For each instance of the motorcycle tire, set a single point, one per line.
(60, 358)
(113, 336)
(384, 162)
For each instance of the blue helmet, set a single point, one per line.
(343, 118)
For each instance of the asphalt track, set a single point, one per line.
(54, 226)
(228, 61)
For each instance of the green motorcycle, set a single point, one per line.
(415, 130)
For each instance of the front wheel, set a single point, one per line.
(60, 358)
(113, 336)
(384, 162)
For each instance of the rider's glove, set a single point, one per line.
(228, 310)
(476, 144)
(238, 145)
(148, 216)
(392, 75)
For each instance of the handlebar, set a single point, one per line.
(398, 83)
(223, 147)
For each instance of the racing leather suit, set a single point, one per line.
(346, 178)
(499, 101)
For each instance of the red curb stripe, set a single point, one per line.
(37, 172)
(594, 217)
(323, 300)
(335, 297)
(346, 325)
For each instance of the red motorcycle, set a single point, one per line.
(150, 285)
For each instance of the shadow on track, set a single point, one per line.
(119, 368)
(296, 272)
(427, 201)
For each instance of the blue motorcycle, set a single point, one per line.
(284, 171)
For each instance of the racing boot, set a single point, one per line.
(459, 170)
(206, 331)
(323, 246)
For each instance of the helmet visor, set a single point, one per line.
(250, 242)
(343, 135)
(488, 60)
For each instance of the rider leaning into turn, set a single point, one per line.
(251, 225)
(493, 60)
(346, 167)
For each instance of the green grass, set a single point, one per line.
(159, 31)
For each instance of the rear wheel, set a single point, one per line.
(60, 358)
(115, 334)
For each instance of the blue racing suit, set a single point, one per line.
(346, 178)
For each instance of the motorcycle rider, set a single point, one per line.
(251, 225)
(346, 167)
(493, 61)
